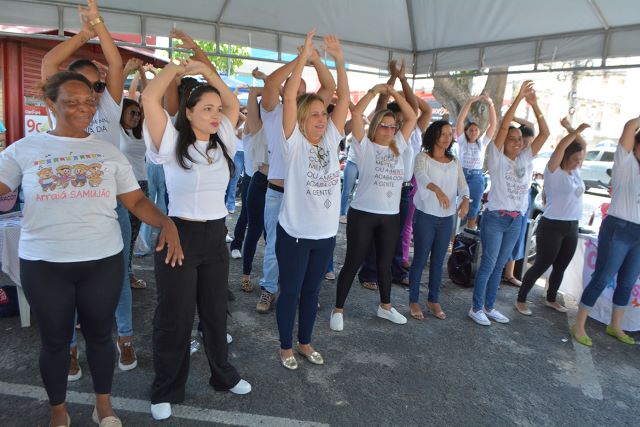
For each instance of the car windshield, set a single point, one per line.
(591, 155)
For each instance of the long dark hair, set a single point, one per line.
(126, 103)
(187, 137)
(432, 134)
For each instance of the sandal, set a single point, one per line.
(512, 281)
(402, 282)
(436, 313)
(137, 283)
(246, 285)
(372, 286)
(416, 311)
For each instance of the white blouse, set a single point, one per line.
(448, 176)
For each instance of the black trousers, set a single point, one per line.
(556, 242)
(200, 282)
(241, 224)
(55, 290)
(363, 228)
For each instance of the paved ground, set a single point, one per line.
(452, 372)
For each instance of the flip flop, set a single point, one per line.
(373, 286)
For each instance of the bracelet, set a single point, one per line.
(96, 21)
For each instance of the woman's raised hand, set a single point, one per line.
(333, 48)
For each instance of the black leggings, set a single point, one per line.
(556, 243)
(362, 229)
(200, 282)
(55, 290)
(135, 225)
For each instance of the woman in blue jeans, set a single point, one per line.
(618, 240)
(510, 166)
(440, 180)
(471, 149)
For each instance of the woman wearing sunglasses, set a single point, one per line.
(511, 168)
(374, 215)
(106, 125)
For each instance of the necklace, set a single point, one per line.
(206, 156)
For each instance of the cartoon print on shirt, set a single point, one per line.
(64, 175)
(80, 175)
(47, 179)
(94, 174)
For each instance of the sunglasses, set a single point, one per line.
(386, 126)
(99, 86)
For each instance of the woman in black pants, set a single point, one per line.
(197, 159)
(557, 232)
(374, 213)
(70, 244)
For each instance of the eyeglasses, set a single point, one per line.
(99, 86)
(386, 126)
(135, 113)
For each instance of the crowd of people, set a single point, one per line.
(103, 168)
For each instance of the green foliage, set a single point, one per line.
(221, 62)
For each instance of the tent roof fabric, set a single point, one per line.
(434, 35)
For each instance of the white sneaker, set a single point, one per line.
(229, 339)
(228, 239)
(392, 315)
(235, 254)
(161, 411)
(479, 317)
(497, 316)
(242, 387)
(336, 322)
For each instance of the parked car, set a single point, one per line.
(540, 162)
(595, 165)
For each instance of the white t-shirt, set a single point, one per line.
(260, 148)
(409, 155)
(106, 121)
(249, 164)
(472, 155)
(70, 187)
(239, 144)
(625, 186)
(380, 176)
(311, 202)
(272, 125)
(510, 180)
(134, 150)
(351, 155)
(448, 176)
(563, 194)
(197, 193)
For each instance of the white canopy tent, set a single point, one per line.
(434, 36)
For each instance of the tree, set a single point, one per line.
(454, 91)
(222, 62)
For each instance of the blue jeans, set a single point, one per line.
(157, 191)
(431, 235)
(255, 219)
(475, 181)
(124, 320)
(303, 262)
(498, 235)
(238, 160)
(349, 176)
(272, 202)
(618, 252)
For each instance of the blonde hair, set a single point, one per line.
(304, 105)
(373, 126)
